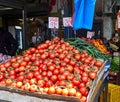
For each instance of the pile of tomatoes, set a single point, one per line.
(54, 67)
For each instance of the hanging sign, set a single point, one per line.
(53, 22)
(67, 21)
(90, 34)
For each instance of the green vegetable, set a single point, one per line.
(83, 45)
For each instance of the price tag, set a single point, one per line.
(116, 54)
(53, 22)
(67, 21)
(90, 34)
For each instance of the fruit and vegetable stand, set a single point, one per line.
(57, 70)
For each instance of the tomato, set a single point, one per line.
(13, 59)
(44, 73)
(82, 84)
(72, 92)
(77, 57)
(85, 79)
(61, 56)
(2, 69)
(20, 78)
(7, 64)
(83, 90)
(70, 77)
(33, 88)
(19, 84)
(56, 72)
(84, 74)
(98, 63)
(87, 69)
(52, 55)
(13, 84)
(12, 77)
(66, 60)
(36, 73)
(78, 95)
(51, 90)
(32, 50)
(62, 83)
(92, 75)
(65, 92)
(41, 83)
(90, 58)
(15, 65)
(95, 69)
(69, 85)
(30, 75)
(61, 77)
(83, 99)
(70, 68)
(53, 78)
(45, 90)
(8, 81)
(26, 59)
(38, 77)
(21, 69)
(12, 72)
(63, 64)
(72, 62)
(62, 69)
(27, 86)
(1, 77)
(58, 90)
(86, 61)
(33, 58)
(76, 81)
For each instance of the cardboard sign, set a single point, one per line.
(67, 21)
(90, 34)
(53, 22)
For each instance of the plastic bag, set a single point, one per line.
(83, 14)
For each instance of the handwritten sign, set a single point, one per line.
(67, 21)
(53, 22)
(90, 34)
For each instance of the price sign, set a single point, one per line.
(116, 54)
(67, 21)
(53, 22)
(90, 34)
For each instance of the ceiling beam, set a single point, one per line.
(18, 4)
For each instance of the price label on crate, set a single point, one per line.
(116, 54)
(67, 21)
(53, 22)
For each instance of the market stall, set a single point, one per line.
(56, 70)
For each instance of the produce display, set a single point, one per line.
(54, 67)
(4, 58)
(115, 64)
(99, 44)
(83, 45)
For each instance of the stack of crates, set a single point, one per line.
(113, 93)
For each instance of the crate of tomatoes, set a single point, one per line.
(52, 70)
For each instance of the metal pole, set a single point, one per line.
(25, 36)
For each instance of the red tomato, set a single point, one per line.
(15, 65)
(82, 84)
(51, 68)
(83, 99)
(83, 90)
(20, 78)
(76, 81)
(27, 59)
(30, 75)
(98, 63)
(32, 50)
(92, 75)
(7, 64)
(56, 72)
(2, 69)
(70, 68)
(53, 78)
(84, 79)
(1, 77)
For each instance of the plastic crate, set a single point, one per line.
(113, 93)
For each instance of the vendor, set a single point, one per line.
(8, 45)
